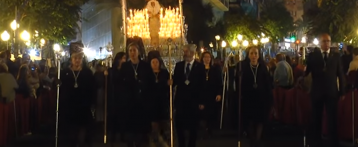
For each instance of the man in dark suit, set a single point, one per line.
(189, 77)
(325, 67)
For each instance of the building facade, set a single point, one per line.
(100, 27)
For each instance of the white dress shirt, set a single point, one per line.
(190, 66)
(322, 51)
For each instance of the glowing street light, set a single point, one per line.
(28, 43)
(211, 45)
(32, 52)
(217, 37)
(5, 36)
(303, 40)
(42, 42)
(264, 40)
(315, 41)
(25, 36)
(223, 44)
(14, 25)
(239, 37)
(56, 47)
(234, 43)
(255, 41)
(245, 43)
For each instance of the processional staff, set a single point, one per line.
(239, 104)
(108, 64)
(57, 96)
(224, 91)
(171, 93)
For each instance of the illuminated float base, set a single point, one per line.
(154, 26)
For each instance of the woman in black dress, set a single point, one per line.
(159, 100)
(213, 92)
(137, 77)
(256, 94)
(77, 98)
(116, 97)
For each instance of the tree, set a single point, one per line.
(276, 20)
(336, 17)
(54, 19)
(236, 22)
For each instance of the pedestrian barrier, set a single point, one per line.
(30, 113)
(344, 117)
(293, 107)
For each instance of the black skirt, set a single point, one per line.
(255, 108)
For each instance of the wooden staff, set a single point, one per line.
(58, 98)
(239, 104)
(108, 64)
(353, 116)
(224, 91)
(171, 94)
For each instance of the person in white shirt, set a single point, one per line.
(353, 66)
(8, 84)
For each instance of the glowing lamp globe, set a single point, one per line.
(5, 36)
(234, 43)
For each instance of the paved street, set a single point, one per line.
(281, 137)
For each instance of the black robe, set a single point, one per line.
(213, 87)
(135, 99)
(76, 103)
(256, 102)
(159, 96)
(116, 100)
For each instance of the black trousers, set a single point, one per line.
(184, 123)
(319, 102)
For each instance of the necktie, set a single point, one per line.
(325, 57)
(187, 69)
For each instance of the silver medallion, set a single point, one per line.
(187, 82)
(76, 85)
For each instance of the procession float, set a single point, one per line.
(157, 30)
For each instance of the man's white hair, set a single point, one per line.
(190, 47)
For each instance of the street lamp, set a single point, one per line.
(245, 43)
(223, 44)
(14, 25)
(315, 41)
(234, 43)
(211, 45)
(42, 42)
(239, 37)
(5, 36)
(217, 37)
(25, 35)
(303, 40)
(223, 51)
(255, 42)
(56, 47)
(264, 40)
